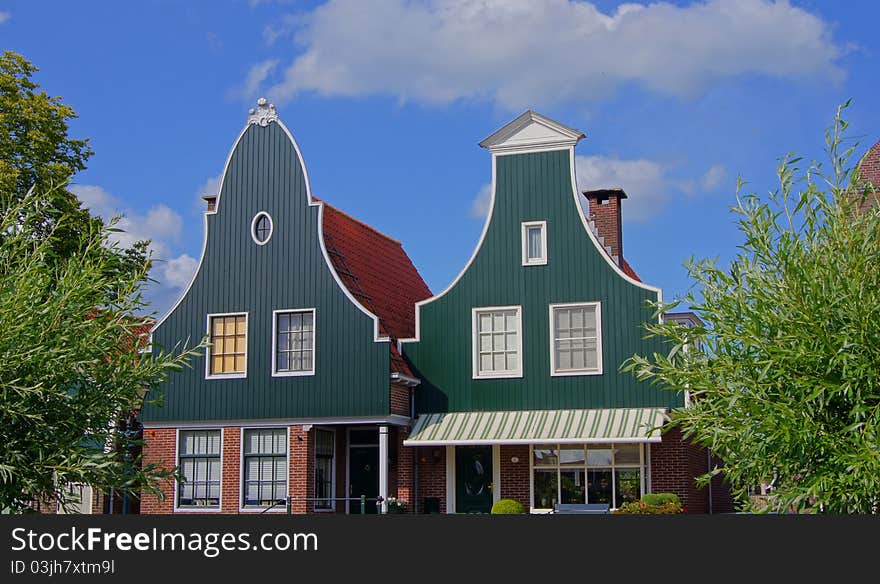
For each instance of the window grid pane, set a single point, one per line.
(534, 244)
(609, 474)
(228, 344)
(294, 348)
(575, 338)
(497, 341)
(199, 462)
(265, 467)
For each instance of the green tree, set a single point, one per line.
(785, 376)
(70, 364)
(37, 153)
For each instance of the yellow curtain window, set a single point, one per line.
(228, 344)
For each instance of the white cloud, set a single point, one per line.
(714, 177)
(480, 205)
(520, 53)
(4, 17)
(254, 80)
(179, 271)
(645, 182)
(211, 186)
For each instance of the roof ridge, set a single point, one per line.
(359, 222)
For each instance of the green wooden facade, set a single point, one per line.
(533, 186)
(265, 173)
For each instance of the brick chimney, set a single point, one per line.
(869, 168)
(212, 202)
(605, 215)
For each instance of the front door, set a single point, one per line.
(473, 479)
(363, 477)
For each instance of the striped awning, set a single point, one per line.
(538, 426)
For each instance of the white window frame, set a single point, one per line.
(195, 509)
(275, 313)
(254, 227)
(247, 337)
(643, 466)
(552, 338)
(475, 343)
(241, 478)
(541, 261)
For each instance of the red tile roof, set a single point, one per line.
(378, 273)
(627, 269)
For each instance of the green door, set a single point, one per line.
(473, 479)
(363, 477)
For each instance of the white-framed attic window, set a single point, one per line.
(534, 243)
(497, 342)
(576, 339)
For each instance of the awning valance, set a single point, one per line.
(538, 426)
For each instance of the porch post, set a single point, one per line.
(383, 467)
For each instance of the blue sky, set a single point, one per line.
(388, 100)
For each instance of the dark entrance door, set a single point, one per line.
(473, 479)
(363, 477)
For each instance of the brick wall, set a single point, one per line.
(302, 469)
(400, 400)
(515, 479)
(159, 450)
(675, 464)
(869, 166)
(402, 476)
(431, 475)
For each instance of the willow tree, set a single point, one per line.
(785, 376)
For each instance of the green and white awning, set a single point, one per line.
(538, 427)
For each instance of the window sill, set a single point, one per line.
(515, 375)
(535, 263)
(197, 509)
(293, 373)
(574, 373)
(227, 376)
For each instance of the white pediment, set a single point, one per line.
(531, 132)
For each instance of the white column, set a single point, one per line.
(383, 466)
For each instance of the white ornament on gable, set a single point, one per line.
(264, 114)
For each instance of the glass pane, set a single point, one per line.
(486, 362)
(307, 321)
(239, 364)
(590, 320)
(512, 362)
(498, 362)
(599, 486)
(218, 326)
(562, 319)
(545, 455)
(572, 455)
(498, 321)
(498, 342)
(307, 361)
(577, 318)
(485, 342)
(510, 341)
(572, 486)
(239, 345)
(534, 243)
(510, 321)
(627, 454)
(485, 322)
(578, 359)
(240, 327)
(598, 455)
(281, 362)
(628, 483)
(563, 358)
(546, 488)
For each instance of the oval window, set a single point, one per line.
(261, 228)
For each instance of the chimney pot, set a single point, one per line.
(212, 202)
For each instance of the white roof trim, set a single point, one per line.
(531, 132)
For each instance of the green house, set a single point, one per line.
(521, 392)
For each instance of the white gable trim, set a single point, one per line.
(377, 337)
(531, 132)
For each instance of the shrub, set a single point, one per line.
(642, 508)
(661, 498)
(508, 507)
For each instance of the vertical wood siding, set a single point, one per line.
(534, 187)
(237, 275)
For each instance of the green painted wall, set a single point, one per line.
(533, 187)
(351, 378)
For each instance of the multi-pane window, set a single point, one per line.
(294, 342)
(265, 467)
(228, 352)
(199, 462)
(497, 342)
(595, 473)
(534, 243)
(324, 448)
(575, 340)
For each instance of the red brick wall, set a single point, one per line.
(400, 400)
(515, 479)
(302, 469)
(402, 476)
(159, 450)
(431, 475)
(675, 464)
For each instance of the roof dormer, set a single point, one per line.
(531, 132)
